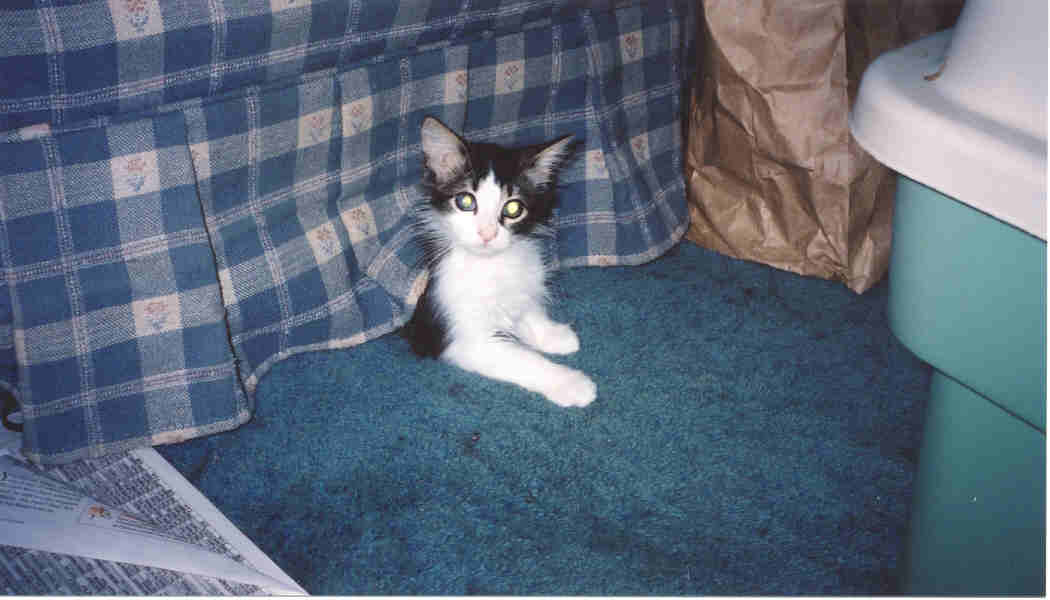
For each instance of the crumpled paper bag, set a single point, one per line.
(774, 175)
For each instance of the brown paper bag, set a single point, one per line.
(774, 175)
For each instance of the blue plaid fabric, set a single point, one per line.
(119, 337)
(191, 191)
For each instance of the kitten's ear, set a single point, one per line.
(541, 166)
(445, 152)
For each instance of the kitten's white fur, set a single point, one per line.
(505, 292)
(490, 283)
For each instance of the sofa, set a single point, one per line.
(192, 191)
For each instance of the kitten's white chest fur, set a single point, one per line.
(490, 292)
(484, 309)
(488, 298)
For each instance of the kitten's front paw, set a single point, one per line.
(558, 338)
(573, 389)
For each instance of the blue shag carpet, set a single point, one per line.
(755, 432)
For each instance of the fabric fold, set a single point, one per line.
(118, 330)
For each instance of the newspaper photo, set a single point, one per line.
(117, 525)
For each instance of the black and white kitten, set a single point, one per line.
(484, 307)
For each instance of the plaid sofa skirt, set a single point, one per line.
(191, 191)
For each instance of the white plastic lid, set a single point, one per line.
(964, 111)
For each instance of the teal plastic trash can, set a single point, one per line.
(961, 115)
(968, 296)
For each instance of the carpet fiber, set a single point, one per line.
(755, 432)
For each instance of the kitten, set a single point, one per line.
(484, 307)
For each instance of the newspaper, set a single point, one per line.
(126, 524)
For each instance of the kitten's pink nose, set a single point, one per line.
(488, 233)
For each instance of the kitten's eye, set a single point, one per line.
(465, 202)
(513, 209)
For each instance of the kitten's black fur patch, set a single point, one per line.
(427, 330)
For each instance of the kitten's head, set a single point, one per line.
(484, 197)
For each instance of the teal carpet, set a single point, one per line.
(755, 432)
